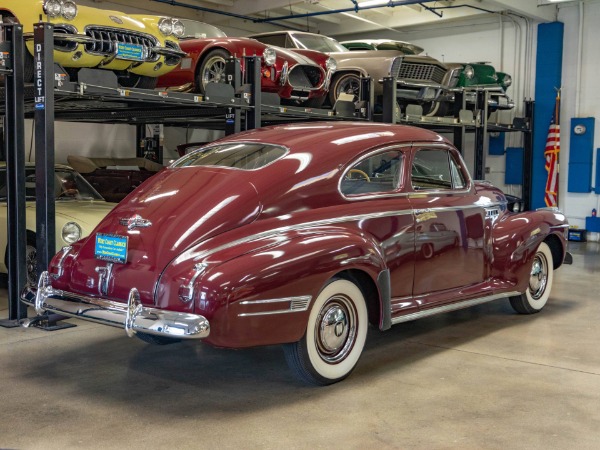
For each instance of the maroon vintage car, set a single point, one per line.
(303, 235)
(301, 77)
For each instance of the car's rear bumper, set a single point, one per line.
(132, 316)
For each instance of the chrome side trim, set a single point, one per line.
(132, 316)
(451, 307)
(313, 224)
(296, 304)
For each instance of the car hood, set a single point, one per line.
(174, 209)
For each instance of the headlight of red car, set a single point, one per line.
(331, 64)
(269, 55)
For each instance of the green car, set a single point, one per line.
(468, 77)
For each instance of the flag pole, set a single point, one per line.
(557, 115)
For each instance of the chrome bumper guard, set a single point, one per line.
(85, 39)
(132, 316)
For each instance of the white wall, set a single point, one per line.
(578, 205)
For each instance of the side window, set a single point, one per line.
(457, 176)
(378, 173)
(431, 170)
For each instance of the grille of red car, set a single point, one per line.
(405, 70)
(304, 77)
(106, 37)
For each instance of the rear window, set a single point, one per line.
(242, 156)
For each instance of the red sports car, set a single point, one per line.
(300, 77)
(304, 235)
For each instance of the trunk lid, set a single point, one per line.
(175, 209)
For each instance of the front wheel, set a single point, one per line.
(31, 262)
(335, 335)
(540, 283)
(348, 83)
(212, 69)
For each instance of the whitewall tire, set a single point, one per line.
(335, 335)
(538, 290)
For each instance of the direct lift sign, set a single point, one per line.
(39, 98)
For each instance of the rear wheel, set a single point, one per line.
(540, 283)
(335, 335)
(212, 69)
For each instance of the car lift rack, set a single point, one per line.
(96, 97)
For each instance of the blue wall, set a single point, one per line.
(548, 77)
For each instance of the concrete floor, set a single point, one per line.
(483, 378)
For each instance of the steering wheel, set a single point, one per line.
(69, 193)
(362, 173)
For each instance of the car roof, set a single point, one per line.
(343, 140)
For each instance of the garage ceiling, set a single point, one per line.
(331, 17)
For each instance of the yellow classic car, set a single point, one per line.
(79, 208)
(138, 48)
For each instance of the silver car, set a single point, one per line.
(420, 79)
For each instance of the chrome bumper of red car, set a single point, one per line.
(132, 316)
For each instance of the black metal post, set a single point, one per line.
(480, 135)
(233, 116)
(140, 134)
(15, 174)
(44, 143)
(252, 77)
(366, 98)
(459, 132)
(389, 100)
(528, 155)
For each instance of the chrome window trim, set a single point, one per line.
(469, 180)
(350, 166)
(287, 152)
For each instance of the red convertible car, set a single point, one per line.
(303, 235)
(298, 77)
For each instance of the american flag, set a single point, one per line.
(551, 154)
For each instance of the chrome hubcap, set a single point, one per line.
(214, 71)
(335, 331)
(349, 86)
(539, 276)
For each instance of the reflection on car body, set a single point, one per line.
(302, 235)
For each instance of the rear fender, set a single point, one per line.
(261, 292)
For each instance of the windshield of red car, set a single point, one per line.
(243, 156)
(200, 30)
(319, 43)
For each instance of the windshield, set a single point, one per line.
(317, 42)
(68, 185)
(243, 156)
(200, 30)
